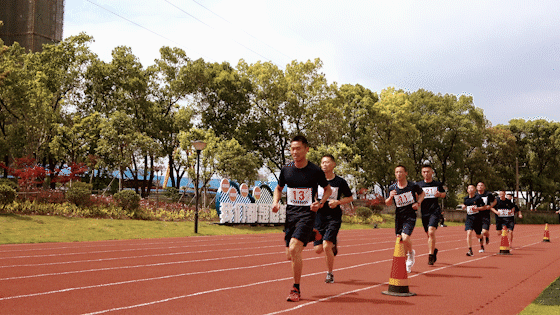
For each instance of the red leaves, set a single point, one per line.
(31, 174)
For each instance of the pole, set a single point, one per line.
(517, 181)
(196, 192)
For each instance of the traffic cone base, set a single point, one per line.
(398, 283)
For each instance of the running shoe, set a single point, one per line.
(294, 295)
(335, 250)
(470, 253)
(330, 278)
(410, 261)
(481, 249)
(432, 257)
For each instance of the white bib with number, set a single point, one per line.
(404, 199)
(299, 196)
(470, 210)
(333, 196)
(430, 192)
(505, 213)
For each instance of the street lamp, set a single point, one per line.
(198, 146)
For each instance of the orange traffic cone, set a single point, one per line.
(504, 245)
(398, 283)
(546, 237)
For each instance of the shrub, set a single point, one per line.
(9, 183)
(172, 193)
(79, 194)
(129, 201)
(7, 195)
(364, 212)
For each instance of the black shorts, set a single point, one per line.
(328, 225)
(299, 226)
(404, 223)
(508, 222)
(485, 217)
(474, 222)
(431, 219)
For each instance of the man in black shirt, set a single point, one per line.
(431, 211)
(407, 197)
(329, 217)
(302, 179)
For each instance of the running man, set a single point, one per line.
(472, 204)
(302, 178)
(489, 202)
(329, 217)
(431, 211)
(505, 211)
(407, 197)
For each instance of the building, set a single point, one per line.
(31, 23)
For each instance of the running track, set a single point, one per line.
(248, 274)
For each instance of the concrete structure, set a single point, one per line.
(31, 23)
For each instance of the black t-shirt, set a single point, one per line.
(487, 197)
(405, 197)
(474, 201)
(340, 189)
(302, 186)
(505, 208)
(430, 203)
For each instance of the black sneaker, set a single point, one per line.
(470, 253)
(435, 255)
(431, 259)
(335, 250)
(330, 278)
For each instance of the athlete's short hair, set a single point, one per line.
(400, 165)
(330, 157)
(300, 138)
(427, 165)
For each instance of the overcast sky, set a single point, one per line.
(506, 54)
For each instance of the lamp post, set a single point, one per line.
(198, 146)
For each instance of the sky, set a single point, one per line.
(505, 54)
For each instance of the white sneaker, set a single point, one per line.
(410, 261)
(481, 250)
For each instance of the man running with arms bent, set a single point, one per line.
(431, 211)
(302, 178)
(329, 217)
(407, 197)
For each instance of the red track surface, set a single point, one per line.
(248, 274)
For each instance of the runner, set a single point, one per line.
(505, 211)
(489, 202)
(472, 204)
(302, 178)
(407, 197)
(329, 217)
(431, 211)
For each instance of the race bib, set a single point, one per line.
(505, 213)
(470, 210)
(299, 196)
(430, 192)
(333, 196)
(404, 199)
